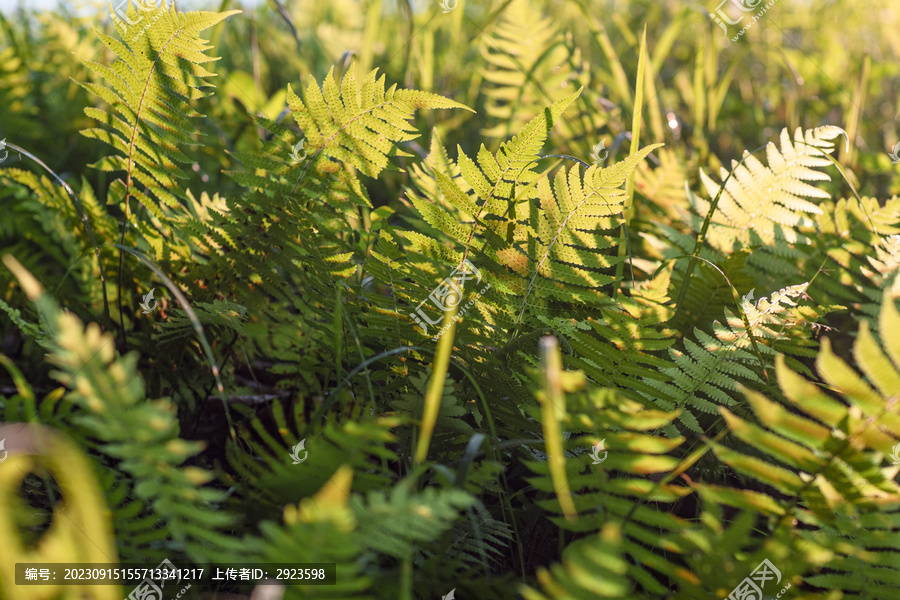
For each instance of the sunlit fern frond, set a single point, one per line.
(858, 236)
(708, 367)
(663, 186)
(157, 73)
(360, 125)
(819, 456)
(763, 203)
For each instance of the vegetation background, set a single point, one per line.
(667, 251)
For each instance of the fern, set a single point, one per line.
(537, 243)
(818, 457)
(359, 126)
(113, 415)
(158, 71)
(321, 528)
(609, 493)
(523, 54)
(707, 370)
(759, 202)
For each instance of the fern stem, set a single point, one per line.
(436, 385)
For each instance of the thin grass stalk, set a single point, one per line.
(436, 385)
(553, 408)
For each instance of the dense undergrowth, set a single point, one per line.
(527, 298)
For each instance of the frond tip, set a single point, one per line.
(762, 202)
(360, 125)
(151, 84)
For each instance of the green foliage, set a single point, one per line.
(613, 414)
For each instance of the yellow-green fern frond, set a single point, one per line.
(821, 459)
(360, 125)
(158, 72)
(580, 218)
(763, 203)
(525, 70)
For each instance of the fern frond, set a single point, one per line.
(763, 203)
(566, 247)
(360, 126)
(113, 416)
(523, 54)
(612, 491)
(158, 71)
(591, 568)
(818, 458)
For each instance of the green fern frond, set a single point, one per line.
(158, 71)
(396, 522)
(591, 568)
(321, 528)
(613, 490)
(360, 126)
(113, 415)
(830, 447)
(567, 244)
